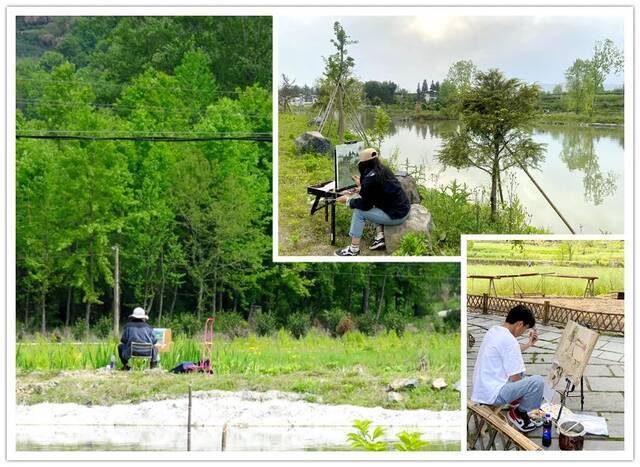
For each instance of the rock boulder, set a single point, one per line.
(409, 186)
(312, 141)
(419, 221)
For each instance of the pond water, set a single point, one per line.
(582, 173)
(239, 438)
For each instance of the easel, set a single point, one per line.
(326, 198)
(329, 201)
(570, 387)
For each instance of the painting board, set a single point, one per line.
(346, 163)
(571, 357)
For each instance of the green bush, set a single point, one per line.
(298, 323)
(456, 210)
(450, 323)
(366, 324)
(186, 324)
(264, 324)
(79, 330)
(231, 324)
(414, 244)
(103, 327)
(332, 318)
(395, 321)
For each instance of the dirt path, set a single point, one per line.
(597, 304)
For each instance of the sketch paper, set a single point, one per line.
(571, 357)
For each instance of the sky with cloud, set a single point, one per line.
(408, 49)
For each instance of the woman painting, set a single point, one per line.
(379, 198)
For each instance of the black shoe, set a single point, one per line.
(377, 244)
(347, 251)
(521, 420)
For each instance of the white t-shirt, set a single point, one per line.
(499, 358)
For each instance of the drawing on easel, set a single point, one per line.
(571, 357)
(346, 163)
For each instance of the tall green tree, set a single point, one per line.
(496, 115)
(338, 69)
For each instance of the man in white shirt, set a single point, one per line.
(498, 376)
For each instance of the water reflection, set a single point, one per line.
(578, 153)
(581, 173)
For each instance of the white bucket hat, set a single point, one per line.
(139, 313)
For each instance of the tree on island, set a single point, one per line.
(495, 117)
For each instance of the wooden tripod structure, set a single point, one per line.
(339, 93)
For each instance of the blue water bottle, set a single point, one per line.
(546, 430)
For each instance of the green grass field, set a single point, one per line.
(584, 252)
(354, 369)
(600, 258)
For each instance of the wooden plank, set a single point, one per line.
(497, 423)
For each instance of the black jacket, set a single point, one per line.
(136, 331)
(388, 196)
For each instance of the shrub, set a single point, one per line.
(366, 325)
(395, 321)
(298, 323)
(79, 329)
(264, 324)
(103, 327)
(231, 324)
(186, 324)
(345, 325)
(332, 318)
(413, 244)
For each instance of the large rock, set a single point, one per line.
(419, 221)
(409, 186)
(313, 141)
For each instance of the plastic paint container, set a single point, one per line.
(571, 436)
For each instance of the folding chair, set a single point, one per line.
(141, 351)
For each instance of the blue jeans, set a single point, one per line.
(375, 215)
(528, 390)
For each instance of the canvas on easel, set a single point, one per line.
(346, 163)
(571, 358)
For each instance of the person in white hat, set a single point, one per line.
(381, 200)
(137, 330)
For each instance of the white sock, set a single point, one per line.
(354, 248)
(379, 235)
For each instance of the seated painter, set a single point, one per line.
(498, 376)
(381, 200)
(137, 330)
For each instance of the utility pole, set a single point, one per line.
(116, 293)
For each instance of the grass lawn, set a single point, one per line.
(572, 252)
(354, 369)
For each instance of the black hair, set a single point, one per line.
(383, 173)
(521, 313)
